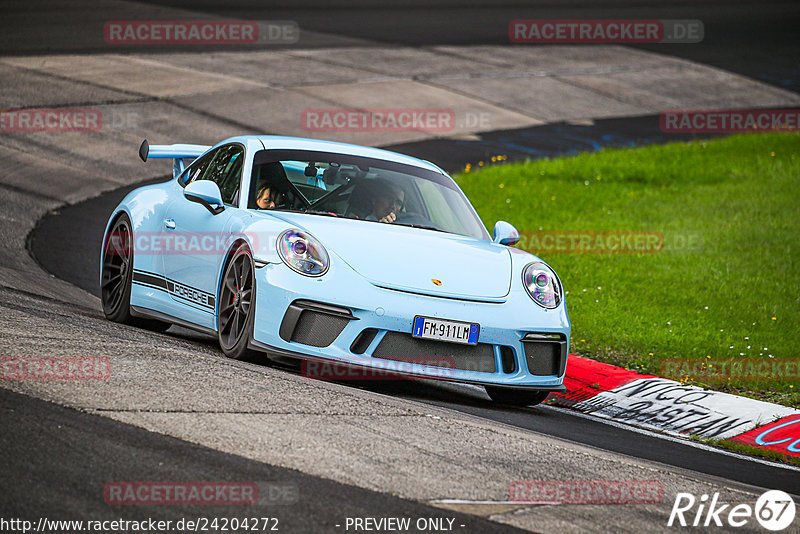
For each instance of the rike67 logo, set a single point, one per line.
(774, 510)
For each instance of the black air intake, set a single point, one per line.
(405, 348)
(314, 323)
(546, 354)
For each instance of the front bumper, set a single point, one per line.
(342, 317)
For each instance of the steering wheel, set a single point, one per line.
(412, 217)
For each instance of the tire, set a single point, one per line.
(117, 271)
(516, 397)
(237, 305)
(117, 276)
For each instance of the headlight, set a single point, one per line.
(303, 253)
(542, 285)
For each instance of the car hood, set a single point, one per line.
(413, 259)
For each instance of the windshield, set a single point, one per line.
(367, 189)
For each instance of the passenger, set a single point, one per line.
(386, 202)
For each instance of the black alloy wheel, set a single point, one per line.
(237, 305)
(117, 271)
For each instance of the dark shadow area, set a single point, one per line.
(72, 252)
(549, 140)
(755, 39)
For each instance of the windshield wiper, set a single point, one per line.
(318, 212)
(424, 227)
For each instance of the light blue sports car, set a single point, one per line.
(336, 255)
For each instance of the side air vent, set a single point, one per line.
(363, 340)
(507, 359)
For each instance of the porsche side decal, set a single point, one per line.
(176, 289)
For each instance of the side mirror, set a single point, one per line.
(505, 234)
(207, 193)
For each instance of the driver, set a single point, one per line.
(386, 202)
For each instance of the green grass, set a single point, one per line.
(743, 448)
(738, 285)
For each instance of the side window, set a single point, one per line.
(197, 168)
(225, 169)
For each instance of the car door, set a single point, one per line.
(200, 238)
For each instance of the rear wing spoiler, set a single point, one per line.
(176, 152)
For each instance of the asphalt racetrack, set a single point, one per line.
(175, 409)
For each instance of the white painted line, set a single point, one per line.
(467, 501)
(667, 437)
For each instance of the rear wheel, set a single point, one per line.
(237, 305)
(117, 276)
(117, 271)
(516, 397)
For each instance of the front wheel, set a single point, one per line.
(237, 305)
(516, 397)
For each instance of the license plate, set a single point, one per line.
(442, 330)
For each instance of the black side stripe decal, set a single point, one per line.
(150, 280)
(176, 289)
